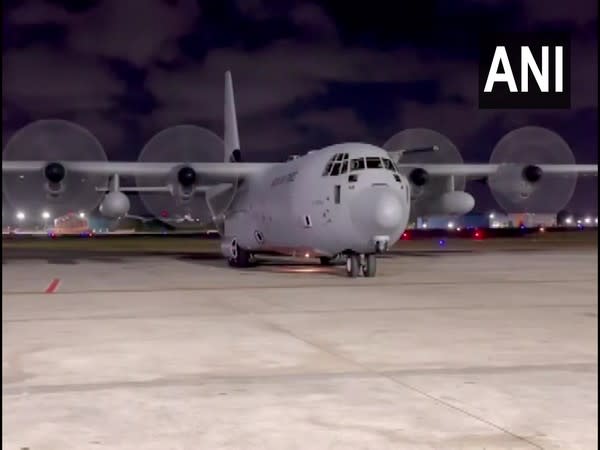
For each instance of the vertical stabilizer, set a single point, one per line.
(232, 140)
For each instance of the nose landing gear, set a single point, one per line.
(361, 264)
(240, 257)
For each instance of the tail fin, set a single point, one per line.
(232, 140)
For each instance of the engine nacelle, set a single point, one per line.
(418, 176)
(453, 203)
(54, 172)
(114, 204)
(532, 173)
(186, 176)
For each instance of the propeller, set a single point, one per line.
(425, 146)
(184, 144)
(520, 184)
(54, 188)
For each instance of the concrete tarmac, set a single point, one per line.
(443, 350)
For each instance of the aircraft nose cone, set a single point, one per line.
(377, 210)
(387, 211)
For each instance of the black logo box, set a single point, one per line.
(500, 97)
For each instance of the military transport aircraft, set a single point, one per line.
(351, 200)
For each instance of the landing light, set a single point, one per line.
(307, 255)
(458, 228)
(450, 224)
(542, 229)
(20, 215)
(82, 215)
(492, 216)
(45, 215)
(588, 220)
(424, 225)
(569, 220)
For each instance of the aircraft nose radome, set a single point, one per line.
(387, 211)
(377, 210)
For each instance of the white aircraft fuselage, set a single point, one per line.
(301, 207)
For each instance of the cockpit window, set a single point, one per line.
(340, 164)
(337, 165)
(335, 170)
(344, 167)
(389, 164)
(374, 163)
(357, 164)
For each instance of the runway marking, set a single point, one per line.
(53, 286)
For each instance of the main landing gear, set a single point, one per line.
(361, 264)
(240, 257)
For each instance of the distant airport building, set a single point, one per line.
(445, 222)
(532, 220)
(489, 220)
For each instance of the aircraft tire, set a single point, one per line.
(353, 266)
(370, 267)
(242, 259)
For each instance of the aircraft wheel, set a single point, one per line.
(241, 257)
(370, 266)
(353, 266)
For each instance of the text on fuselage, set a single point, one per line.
(288, 178)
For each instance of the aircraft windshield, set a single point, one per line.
(374, 163)
(340, 163)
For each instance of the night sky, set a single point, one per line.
(306, 74)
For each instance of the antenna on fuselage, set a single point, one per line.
(232, 139)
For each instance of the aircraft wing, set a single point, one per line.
(485, 170)
(217, 172)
